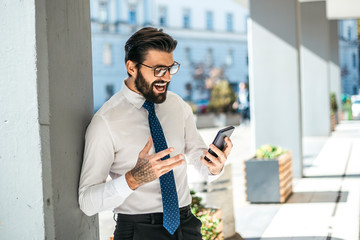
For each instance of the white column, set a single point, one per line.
(45, 105)
(315, 47)
(340, 9)
(274, 76)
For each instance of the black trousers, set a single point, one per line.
(150, 227)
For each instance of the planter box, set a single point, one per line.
(333, 122)
(268, 181)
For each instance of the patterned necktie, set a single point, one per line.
(171, 216)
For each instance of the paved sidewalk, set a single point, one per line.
(325, 203)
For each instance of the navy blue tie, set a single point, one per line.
(171, 216)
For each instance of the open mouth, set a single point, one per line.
(160, 87)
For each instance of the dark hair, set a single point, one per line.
(146, 39)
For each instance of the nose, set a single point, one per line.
(167, 76)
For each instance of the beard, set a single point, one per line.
(147, 89)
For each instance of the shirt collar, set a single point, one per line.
(134, 98)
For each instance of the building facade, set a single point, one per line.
(211, 38)
(349, 56)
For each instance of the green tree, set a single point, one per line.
(222, 97)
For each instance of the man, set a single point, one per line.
(128, 139)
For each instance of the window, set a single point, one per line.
(229, 22)
(109, 91)
(132, 15)
(230, 57)
(354, 60)
(188, 56)
(209, 57)
(246, 23)
(186, 18)
(103, 11)
(209, 20)
(163, 16)
(341, 28)
(105, 27)
(349, 32)
(355, 91)
(107, 54)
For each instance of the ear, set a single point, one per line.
(131, 68)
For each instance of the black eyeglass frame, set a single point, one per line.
(163, 69)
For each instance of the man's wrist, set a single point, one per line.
(131, 181)
(215, 173)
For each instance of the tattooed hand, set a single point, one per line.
(150, 167)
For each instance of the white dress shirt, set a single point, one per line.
(113, 141)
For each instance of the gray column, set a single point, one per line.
(45, 105)
(315, 81)
(334, 62)
(274, 76)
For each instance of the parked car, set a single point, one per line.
(355, 108)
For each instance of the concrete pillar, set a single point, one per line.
(334, 62)
(45, 105)
(315, 82)
(274, 76)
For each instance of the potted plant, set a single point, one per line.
(333, 111)
(268, 175)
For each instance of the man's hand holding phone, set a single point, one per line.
(218, 152)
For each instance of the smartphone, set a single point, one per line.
(219, 140)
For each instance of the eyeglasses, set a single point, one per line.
(160, 71)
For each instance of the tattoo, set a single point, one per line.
(143, 172)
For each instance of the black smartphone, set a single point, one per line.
(219, 140)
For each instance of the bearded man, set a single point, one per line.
(143, 137)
